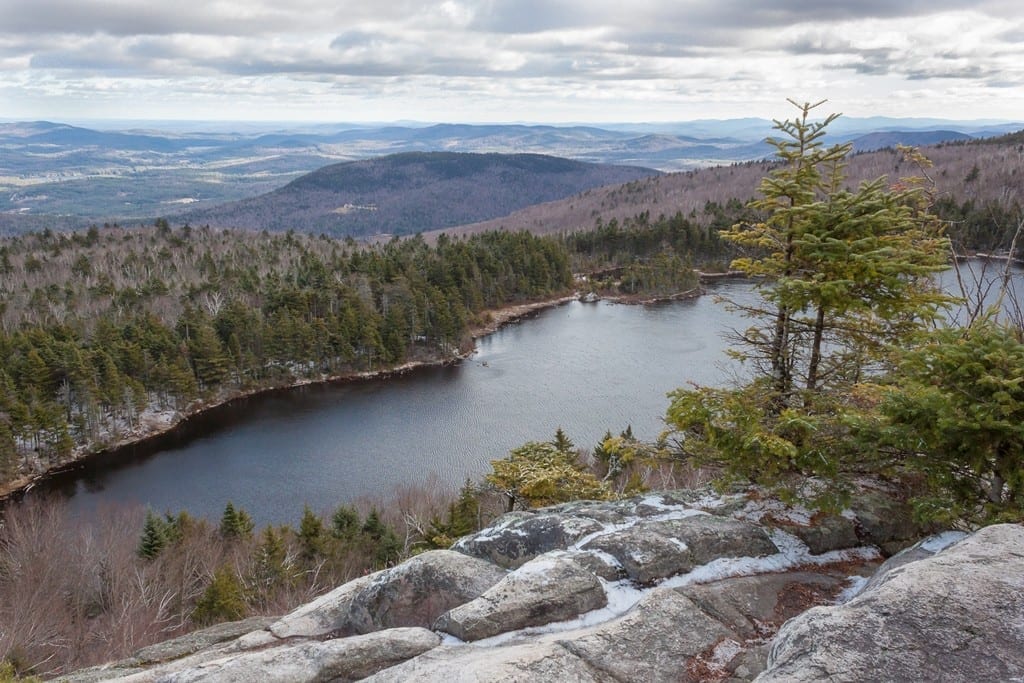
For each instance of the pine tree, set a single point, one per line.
(383, 543)
(312, 539)
(845, 272)
(562, 442)
(223, 599)
(271, 568)
(235, 523)
(846, 277)
(154, 536)
(345, 524)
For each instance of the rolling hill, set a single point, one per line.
(979, 171)
(414, 192)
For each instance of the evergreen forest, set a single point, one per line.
(106, 329)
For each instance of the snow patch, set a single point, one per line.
(674, 512)
(621, 595)
(539, 566)
(792, 553)
(713, 501)
(677, 543)
(855, 586)
(724, 653)
(756, 510)
(938, 542)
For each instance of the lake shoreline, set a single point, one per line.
(154, 424)
(160, 423)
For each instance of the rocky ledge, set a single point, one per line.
(675, 586)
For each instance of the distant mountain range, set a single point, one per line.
(414, 192)
(63, 176)
(978, 171)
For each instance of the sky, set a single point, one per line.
(552, 61)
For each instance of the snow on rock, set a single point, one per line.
(544, 590)
(953, 616)
(672, 586)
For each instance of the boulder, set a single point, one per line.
(199, 640)
(653, 642)
(542, 591)
(524, 663)
(598, 562)
(755, 606)
(342, 659)
(919, 551)
(519, 537)
(655, 549)
(825, 534)
(418, 591)
(885, 521)
(955, 616)
(326, 615)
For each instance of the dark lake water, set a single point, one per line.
(585, 367)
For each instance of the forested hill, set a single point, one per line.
(975, 182)
(105, 330)
(408, 193)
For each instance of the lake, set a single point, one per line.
(586, 368)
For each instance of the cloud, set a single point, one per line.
(570, 53)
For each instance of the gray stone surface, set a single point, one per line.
(200, 640)
(885, 521)
(918, 551)
(956, 616)
(518, 538)
(656, 549)
(342, 659)
(755, 606)
(568, 559)
(325, 615)
(418, 591)
(525, 663)
(825, 534)
(653, 642)
(542, 591)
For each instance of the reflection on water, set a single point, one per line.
(585, 367)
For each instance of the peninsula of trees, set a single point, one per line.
(104, 329)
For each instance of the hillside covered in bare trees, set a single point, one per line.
(977, 185)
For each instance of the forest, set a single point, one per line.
(103, 329)
(853, 376)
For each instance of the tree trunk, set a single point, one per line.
(812, 368)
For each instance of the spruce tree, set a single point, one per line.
(223, 599)
(345, 524)
(312, 539)
(562, 442)
(154, 536)
(846, 276)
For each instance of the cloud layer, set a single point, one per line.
(540, 60)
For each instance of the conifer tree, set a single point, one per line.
(235, 523)
(562, 442)
(846, 276)
(345, 523)
(381, 539)
(312, 538)
(154, 536)
(845, 272)
(223, 599)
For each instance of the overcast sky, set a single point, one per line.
(508, 60)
